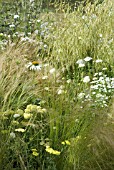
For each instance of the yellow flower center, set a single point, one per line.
(35, 63)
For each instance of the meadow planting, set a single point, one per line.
(56, 85)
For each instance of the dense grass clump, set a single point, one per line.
(57, 87)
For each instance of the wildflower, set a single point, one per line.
(20, 130)
(34, 152)
(60, 91)
(31, 108)
(46, 88)
(44, 77)
(52, 151)
(45, 46)
(100, 35)
(69, 81)
(87, 58)
(24, 38)
(16, 115)
(67, 142)
(81, 95)
(63, 143)
(98, 61)
(16, 16)
(12, 26)
(104, 68)
(35, 65)
(81, 63)
(52, 71)
(38, 20)
(27, 115)
(36, 31)
(12, 135)
(86, 79)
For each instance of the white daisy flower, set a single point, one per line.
(34, 66)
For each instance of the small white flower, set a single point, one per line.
(16, 115)
(45, 45)
(38, 20)
(87, 58)
(81, 95)
(12, 26)
(12, 135)
(16, 16)
(52, 71)
(60, 91)
(46, 88)
(83, 17)
(44, 77)
(25, 39)
(68, 81)
(86, 79)
(36, 31)
(104, 68)
(98, 61)
(100, 35)
(80, 61)
(81, 65)
(31, 1)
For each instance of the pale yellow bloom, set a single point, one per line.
(20, 130)
(67, 142)
(27, 115)
(34, 152)
(52, 151)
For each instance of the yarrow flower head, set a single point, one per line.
(86, 79)
(98, 61)
(81, 63)
(52, 151)
(87, 59)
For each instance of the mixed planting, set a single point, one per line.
(56, 85)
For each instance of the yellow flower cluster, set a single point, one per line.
(33, 108)
(34, 152)
(52, 151)
(66, 142)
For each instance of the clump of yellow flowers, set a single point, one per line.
(52, 151)
(66, 142)
(34, 152)
(33, 108)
